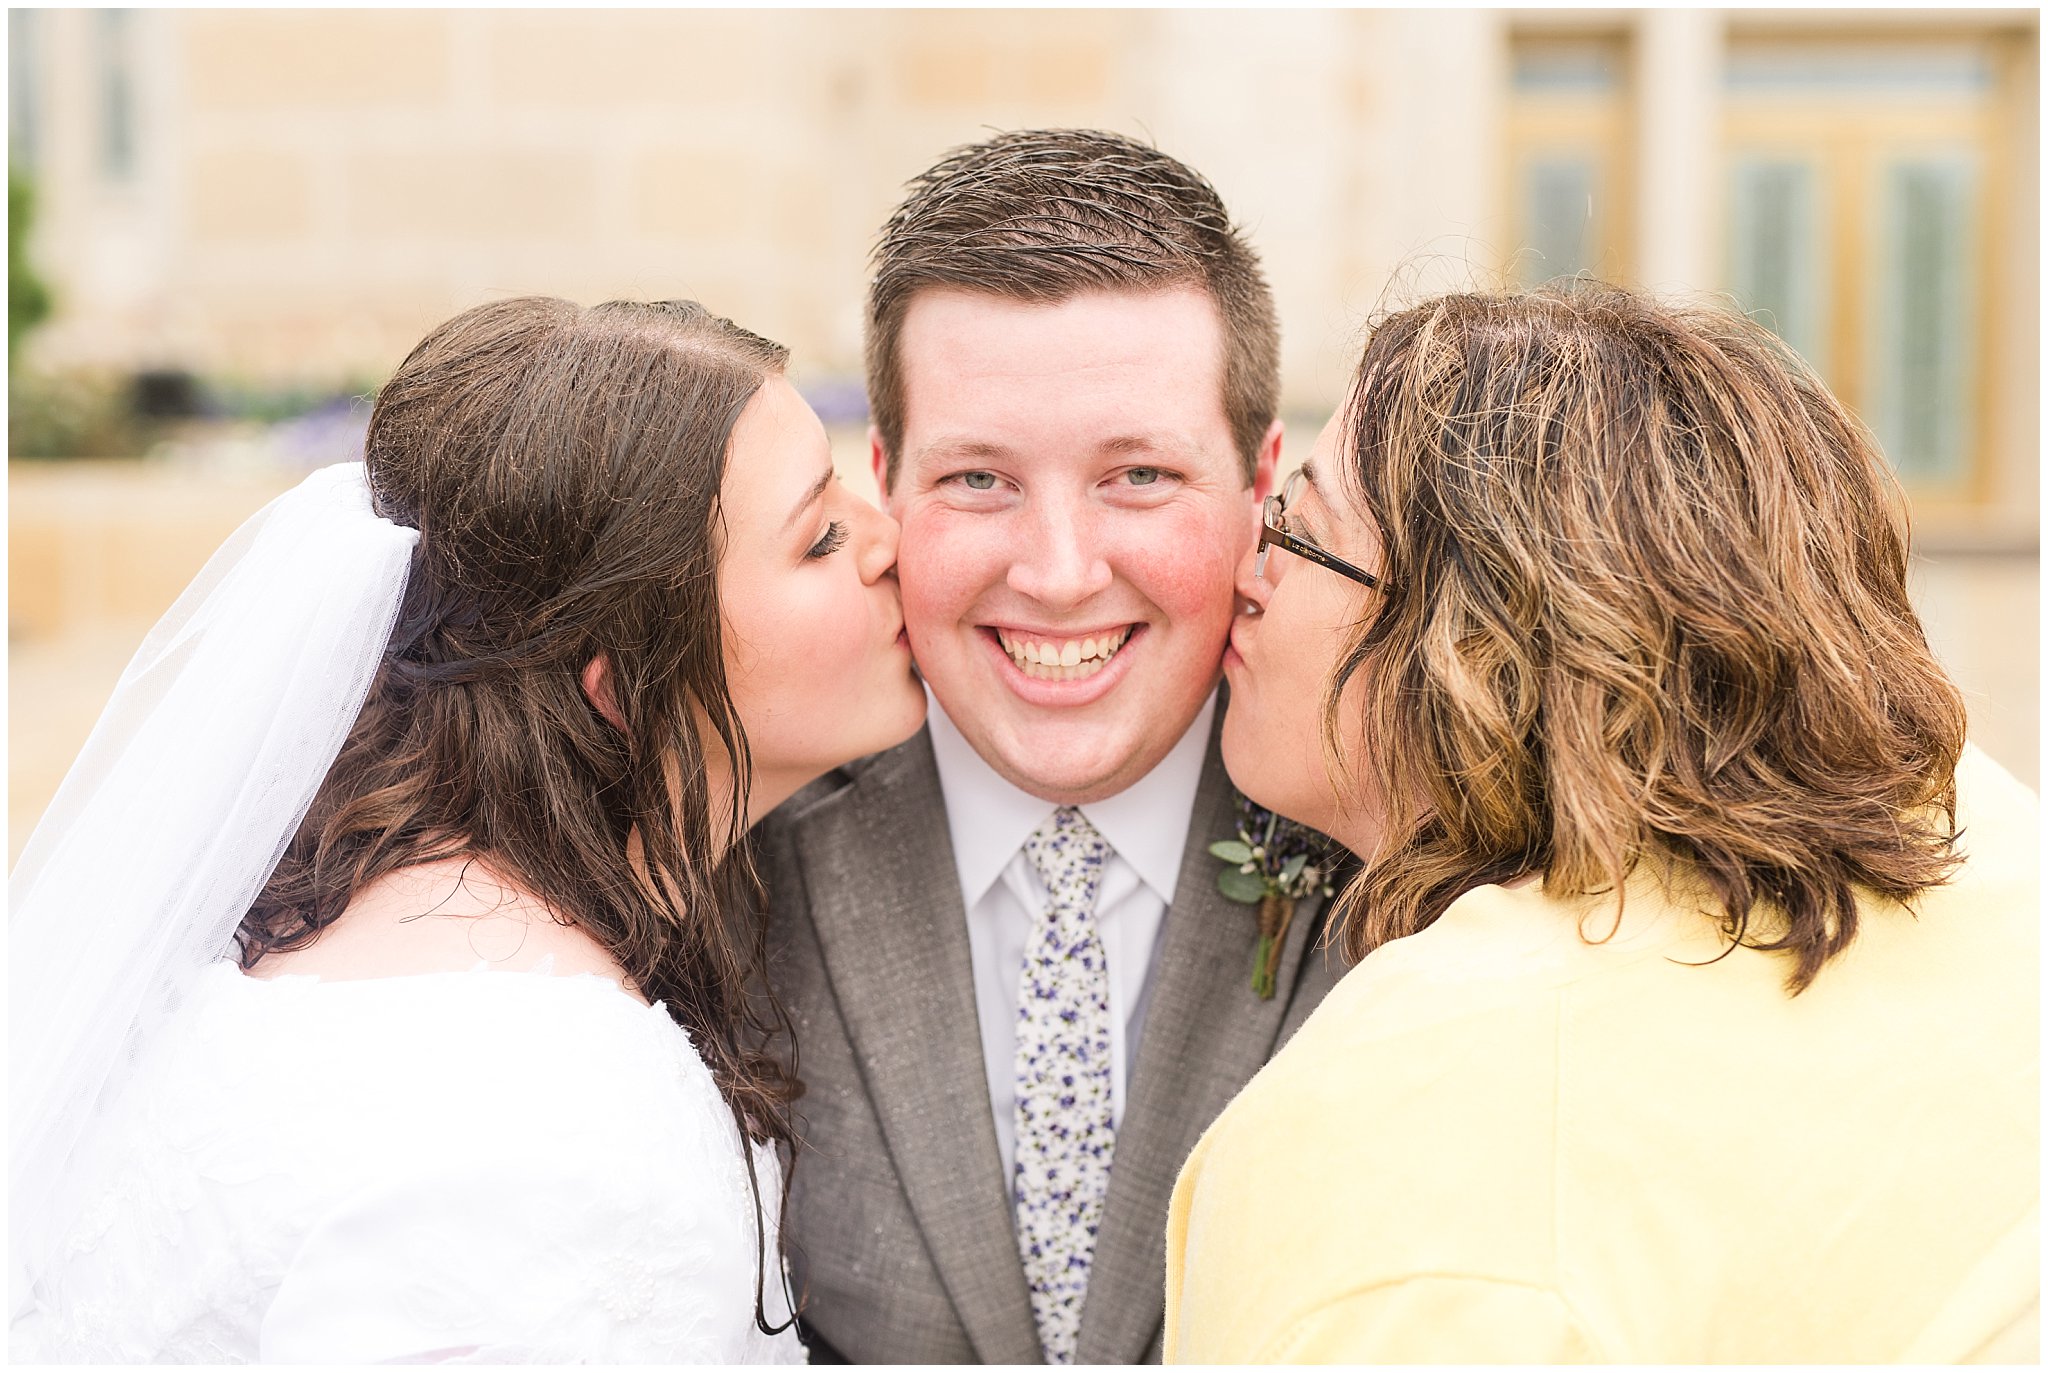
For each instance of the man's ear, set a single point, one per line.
(597, 686)
(1268, 462)
(879, 460)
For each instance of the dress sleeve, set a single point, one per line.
(521, 1257)
(1432, 1319)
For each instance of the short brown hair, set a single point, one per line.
(1044, 214)
(1646, 599)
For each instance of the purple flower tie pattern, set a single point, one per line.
(1066, 1132)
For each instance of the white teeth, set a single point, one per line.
(1065, 661)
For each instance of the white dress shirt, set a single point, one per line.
(1147, 826)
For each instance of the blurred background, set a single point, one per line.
(226, 226)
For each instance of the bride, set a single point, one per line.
(380, 972)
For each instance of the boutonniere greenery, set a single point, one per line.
(1271, 864)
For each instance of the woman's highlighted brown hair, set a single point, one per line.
(1646, 600)
(563, 466)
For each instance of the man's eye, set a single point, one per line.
(1143, 476)
(978, 481)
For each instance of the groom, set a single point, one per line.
(1017, 992)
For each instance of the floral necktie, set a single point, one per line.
(1065, 1131)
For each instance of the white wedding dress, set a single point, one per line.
(478, 1166)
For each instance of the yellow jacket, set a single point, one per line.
(1499, 1142)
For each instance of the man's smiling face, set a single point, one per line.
(1072, 509)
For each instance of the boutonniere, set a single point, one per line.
(1271, 864)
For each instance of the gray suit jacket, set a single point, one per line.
(899, 1218)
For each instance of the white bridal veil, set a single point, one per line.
(187, 791)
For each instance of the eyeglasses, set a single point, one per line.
(1277, 532)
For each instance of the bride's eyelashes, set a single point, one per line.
(833, 540)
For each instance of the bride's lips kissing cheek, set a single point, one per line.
(1073, 506)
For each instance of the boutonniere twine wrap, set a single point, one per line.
(1271, 864)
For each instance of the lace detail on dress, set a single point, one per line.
(475, 1167)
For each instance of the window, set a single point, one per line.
(114, 73)
(1568, 158)
(1776, 240)
(1925, 289)
(1858, 230)
(1560, 192)
(23, 128)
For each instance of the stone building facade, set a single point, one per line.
(301, 193)
(295, 196)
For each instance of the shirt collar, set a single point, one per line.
(990, 818)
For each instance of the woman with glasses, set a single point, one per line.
(1695, 1010)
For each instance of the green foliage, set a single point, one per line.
(28, 298)
(273, 401)
(1240, 886)
(74, 415)
(1232, 850)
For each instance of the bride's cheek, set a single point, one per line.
(824, 636)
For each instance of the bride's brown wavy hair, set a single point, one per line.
(1645, 599)
(563, 467)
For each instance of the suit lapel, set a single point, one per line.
(885, 898)
(1205, 1034)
